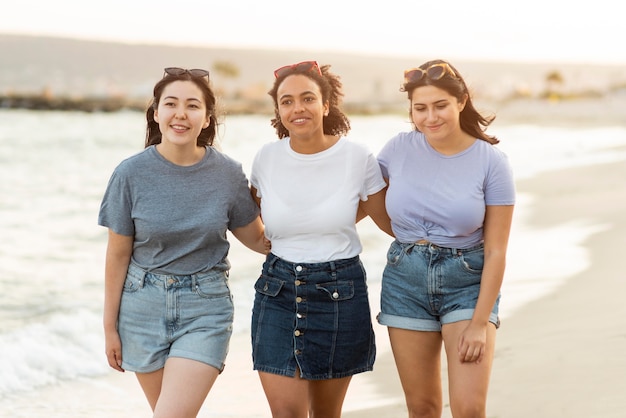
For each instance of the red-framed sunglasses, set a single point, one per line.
(434, 72)
(177, 71)
(302, 66)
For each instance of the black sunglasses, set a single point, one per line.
(177, 71)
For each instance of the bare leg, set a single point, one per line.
(468, 382)
(326, 397)
(179, 389)
(418, 360)
(287, 396)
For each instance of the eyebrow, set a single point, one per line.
(435, 103)
(304, 93)
(176, 98)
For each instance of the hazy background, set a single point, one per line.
(529, 52)
(528, 31)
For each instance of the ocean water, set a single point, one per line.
(54, 167)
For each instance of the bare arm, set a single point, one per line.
(253, 236)
(497, 227)
(119, 250)
(374, 207)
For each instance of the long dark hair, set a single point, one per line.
(471, 121)
(336, 123)
(153, 133)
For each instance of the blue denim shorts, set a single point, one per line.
(314, 317)
(164, 316)
(425, 286)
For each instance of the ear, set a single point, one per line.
(463, 102)
(207, 122)
(326, 108)
(156, 116)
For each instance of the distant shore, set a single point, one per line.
(605, 110)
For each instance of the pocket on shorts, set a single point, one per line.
(395, 254)
(268, 286)
(132, 283)
(212, 287)
(339, 290)
(473, 261)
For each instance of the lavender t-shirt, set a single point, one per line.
(442, 198)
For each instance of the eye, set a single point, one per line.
(286, 102)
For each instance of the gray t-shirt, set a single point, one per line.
(178, 215)
(442, 198)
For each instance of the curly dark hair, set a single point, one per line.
(336, 123)
(472, 122)
(153, 133)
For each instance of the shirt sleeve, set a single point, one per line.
(116, 207)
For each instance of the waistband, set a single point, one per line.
(333, 265)
(171, 279)
(434, 248)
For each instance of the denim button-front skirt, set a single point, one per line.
(313, 318)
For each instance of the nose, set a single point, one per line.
(431, 115)
(180, 112)
(299, 106)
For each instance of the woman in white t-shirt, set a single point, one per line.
(311, 321)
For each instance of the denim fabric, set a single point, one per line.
(425, 286)
(165, 316)
(312, 317)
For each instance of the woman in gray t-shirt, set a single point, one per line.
(168, 310)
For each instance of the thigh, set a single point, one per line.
(418, 358)
(327, 396)
(468, 382)
(287, 396)
(178, 398)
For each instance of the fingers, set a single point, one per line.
(471, 354)
(115, 360)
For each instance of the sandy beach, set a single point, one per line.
(559, 356)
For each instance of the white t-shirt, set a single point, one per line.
(309, 201)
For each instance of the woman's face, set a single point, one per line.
(301, 107)
(435, 112)
(182, 113)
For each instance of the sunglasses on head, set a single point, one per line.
(434, 72)
(302, 66)
(177, 71)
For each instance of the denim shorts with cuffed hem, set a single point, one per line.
(162, 316)
(312, 317)
(425, 286)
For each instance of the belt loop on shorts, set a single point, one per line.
(135, 267)
(272, 260)
(333, 269)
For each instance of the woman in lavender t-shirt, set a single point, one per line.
(450, 199)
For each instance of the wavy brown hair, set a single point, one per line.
(207, 135)
(336, 123)
(472, 122)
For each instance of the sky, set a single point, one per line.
(482, 30)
